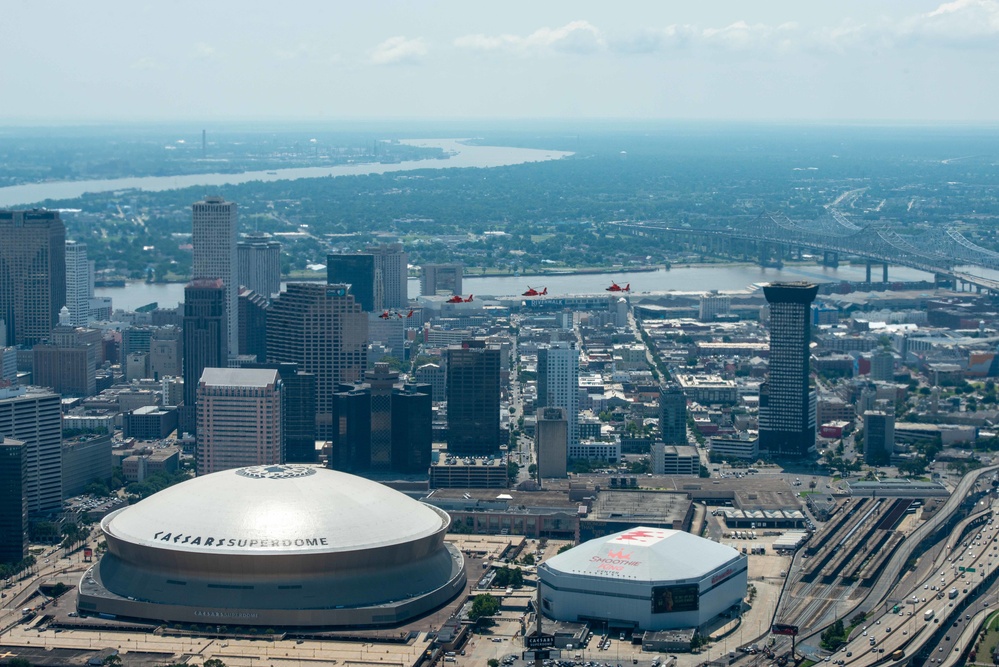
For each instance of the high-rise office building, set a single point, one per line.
(412, 428)
(299, 411)
(68, 364)
(382, 425)
(259, 257)
(391, 275)
(32, 274)
(13, 501)
(253, 309)
(473, 398)
(34, 416)
(879, 436)
(437, 278)
(787, 402)
(558, 384)
(712, 305)
(79, 283)
(239, 419)
(356, 270)
(205, 340)
(323, 330)
(551, 433)
(214, 234)
(672, 414)
(883, 366)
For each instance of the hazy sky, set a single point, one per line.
(131, 60)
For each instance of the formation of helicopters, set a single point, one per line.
(531, 291)
(388, 314)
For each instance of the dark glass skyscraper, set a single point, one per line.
(473, 399)
(356, 270)
(13, 501)
(382, 425)
(32, 274)
(672, 414)
(205, 339)
(787, 403)
(299, 407)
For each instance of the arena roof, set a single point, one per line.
(645, 554)
(274, 509)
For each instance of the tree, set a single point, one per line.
(484, 605)
(213, 662)
(564, 548)
(113, 660)
(492, 662)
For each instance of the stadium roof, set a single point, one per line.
(645, 554)
(275, 509)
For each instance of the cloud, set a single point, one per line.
(742, 36)
(653, 40)
(146, 63)
(573, 37)
(399, 50)
(961, 22)
(203, 51)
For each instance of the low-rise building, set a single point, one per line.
(745, 447)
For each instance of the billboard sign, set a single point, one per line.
(539, 641)
(784, 629)
(677, 598)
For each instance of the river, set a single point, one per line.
(683, 279)
(461, 155)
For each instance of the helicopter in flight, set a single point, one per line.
(388, 314)
(617, 288)
(457, 299)
(533, 292)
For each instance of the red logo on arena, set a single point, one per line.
(618, 554)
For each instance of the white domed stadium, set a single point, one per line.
(644, 578)
(277, 545)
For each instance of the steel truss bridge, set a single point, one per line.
(770, 238)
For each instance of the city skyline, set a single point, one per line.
(926, 60)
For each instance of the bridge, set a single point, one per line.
(772, 238)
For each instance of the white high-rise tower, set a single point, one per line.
(214, 239)
(79, 283)
(558, 386)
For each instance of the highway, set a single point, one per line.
(816, 605)
(930, 604)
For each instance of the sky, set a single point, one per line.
(112, 61)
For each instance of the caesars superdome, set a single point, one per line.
(276, 545)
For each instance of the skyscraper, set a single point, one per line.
(787, 403)
(672, 414)
(214, 237)
(436, 278)
(13, 502)
(259, 257)
(34, 416)
(558, 384)
(79, 283)
(879, 436)
(299, 411)
(323, 330)
(205, 340)
(32, 274)
(382, 425)
(356, 270)
(391, 275)
(550, 438)
(253, 308)
(473, 398)
(239, 419)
